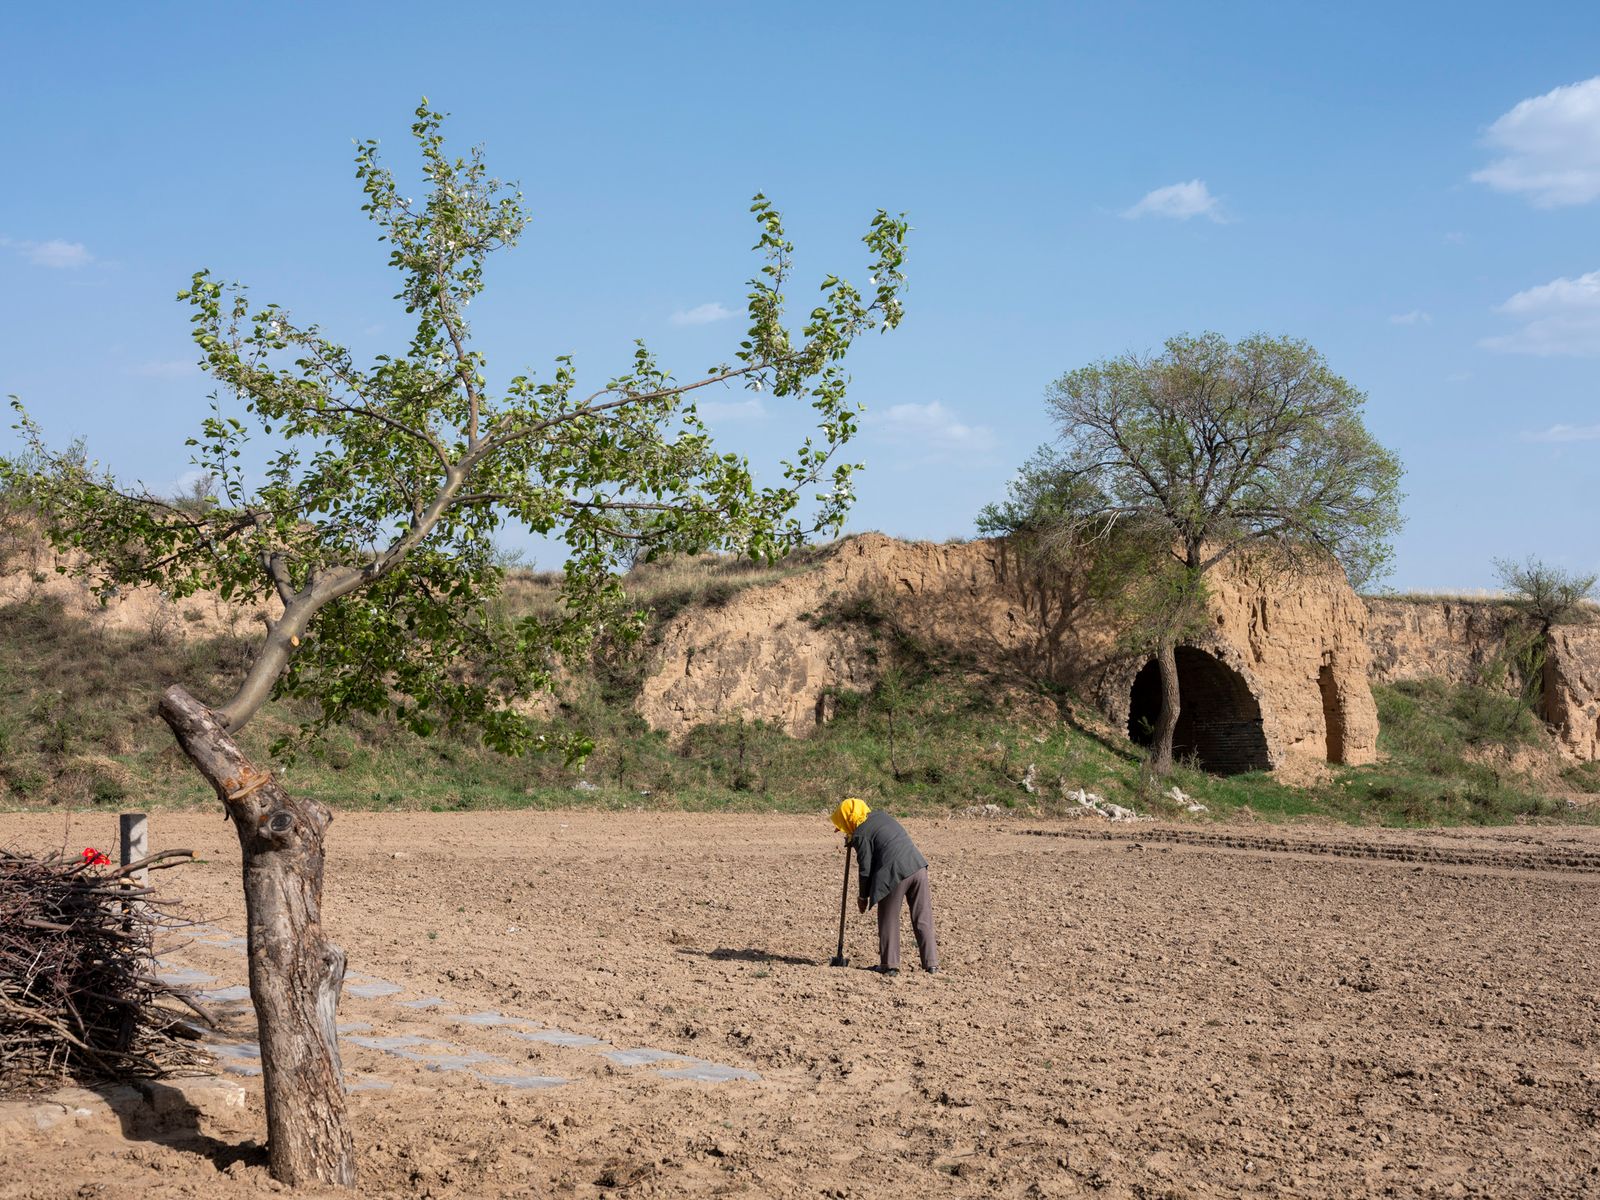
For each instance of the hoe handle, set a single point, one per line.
(844, 901)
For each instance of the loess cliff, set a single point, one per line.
(1459, 640)
(1279, 678)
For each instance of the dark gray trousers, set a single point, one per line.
(915, 891)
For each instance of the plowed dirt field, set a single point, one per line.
(1123, 1012)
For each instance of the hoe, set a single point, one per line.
(839, 960)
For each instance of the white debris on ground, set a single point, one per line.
(1029, 777)
(983, 810)
(1090, 804)
(1178, 796)
(583, 785)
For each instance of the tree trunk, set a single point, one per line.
(295, 973)
(1167, 722)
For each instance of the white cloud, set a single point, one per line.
(1549, 147)
(1565, 433)
(1584, 291)
(175, 368)
(1415, 317)
(705, 314)
(933, 430)
(1559, 317)
(1180, 201)
(56, 254)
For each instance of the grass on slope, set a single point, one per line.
(78, 727)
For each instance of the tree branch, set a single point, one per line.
(464, 370)
(279, 574)
(426, 437)
(506, 436)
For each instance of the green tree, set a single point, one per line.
(1541, 597)
(369, 534)
(1167, 465)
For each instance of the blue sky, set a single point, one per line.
(1415, 189)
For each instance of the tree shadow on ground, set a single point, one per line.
(1124, 750)
(152, 1111)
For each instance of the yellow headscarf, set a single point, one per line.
(848, 816)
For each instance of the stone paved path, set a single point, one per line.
(381, 1027)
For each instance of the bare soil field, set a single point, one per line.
(1139, 1012)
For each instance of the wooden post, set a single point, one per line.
(133, 839)
(134, 831)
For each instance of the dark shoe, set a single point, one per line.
(890, 971)
(930, 970)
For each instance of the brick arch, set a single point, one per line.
(1219, 722)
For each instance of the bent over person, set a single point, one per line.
(892, 871)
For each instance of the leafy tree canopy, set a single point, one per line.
(1545, 594)
(1206, 449)
(371, 526)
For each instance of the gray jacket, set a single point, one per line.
(885, 855)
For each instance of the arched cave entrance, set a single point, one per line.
(1219, 719)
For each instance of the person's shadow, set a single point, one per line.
(727, 954)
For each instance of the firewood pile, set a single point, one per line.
(78, 990)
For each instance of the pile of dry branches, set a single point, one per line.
(78, 992)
